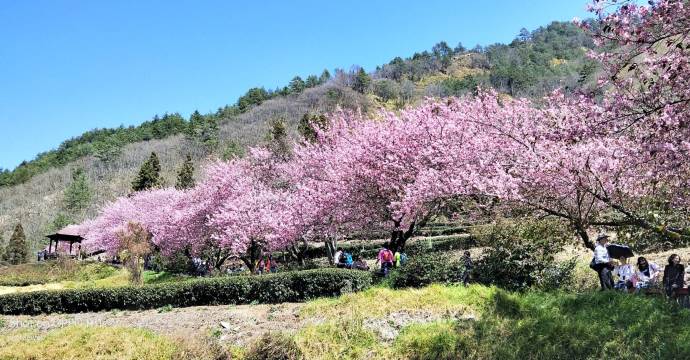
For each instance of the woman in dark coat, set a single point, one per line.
(674, 275)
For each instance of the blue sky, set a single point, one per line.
(70, 66)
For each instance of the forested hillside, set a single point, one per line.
(70, 183)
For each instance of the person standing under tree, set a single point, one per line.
(385, 258)
(467, 262)
(602, 264)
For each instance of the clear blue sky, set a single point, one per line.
(70, 66)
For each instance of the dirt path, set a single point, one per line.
(237, 325)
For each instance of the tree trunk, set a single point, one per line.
(582, 233)
(251, 257)
(298, 252)
(331, 247)
(399, 238)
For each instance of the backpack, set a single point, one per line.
(387, 256)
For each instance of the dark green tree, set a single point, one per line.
(204, 129)
(325, 76)
(279, 141)
(17, 252)
(149, 174)
(443, 54)
(232, 150)
(78, 193)
(60, 221)
(362, 81)
(254, 96)
(311, 81)
(309, 123)
(297, 85)
(185, 176)
(108, 149)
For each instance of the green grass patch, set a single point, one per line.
(83, 342)
(53, 271)
(340, 339)
(432, 341)
(382, 301)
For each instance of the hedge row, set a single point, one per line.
(371, 249)
(273, 288)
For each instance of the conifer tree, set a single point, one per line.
(17, 252)
(78, 194)
(279, 139)
(362, 81)
(325, 76)
(185, 177)
(149, 174)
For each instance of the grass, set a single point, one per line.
(53, 271)
(529, 325)
(83, 342)
(113, 277)
(382, 301)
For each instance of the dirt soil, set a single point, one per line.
(236, 325)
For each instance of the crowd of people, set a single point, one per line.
(618, 274)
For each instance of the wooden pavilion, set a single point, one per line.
(69, 234)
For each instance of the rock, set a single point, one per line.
(225, 324)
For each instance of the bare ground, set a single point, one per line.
(234, 325)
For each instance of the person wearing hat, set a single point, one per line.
(602, 263)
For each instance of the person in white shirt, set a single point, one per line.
(625, 273)
(602, 263)
(647, 273)
(336, 256)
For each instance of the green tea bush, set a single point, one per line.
(521, 255)
(424, 269)
(272, 288)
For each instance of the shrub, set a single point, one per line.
(272, 288)
(276, 346)
(421, 270)
(522, 255)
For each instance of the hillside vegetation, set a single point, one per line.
(534, 63)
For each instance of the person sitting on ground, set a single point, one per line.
(602, 264)
(625, 273)
(467, 262)
(347, 259)
(385, 258)
(360, 264)
(674, 275)
(647, 274)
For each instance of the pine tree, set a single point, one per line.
(149, 174)
(362, 81)
(325, 76)
(308, 125)
(78, 194)
(17, 252)
(185, 177)
(279, 140)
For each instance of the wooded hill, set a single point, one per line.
(41, 193)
